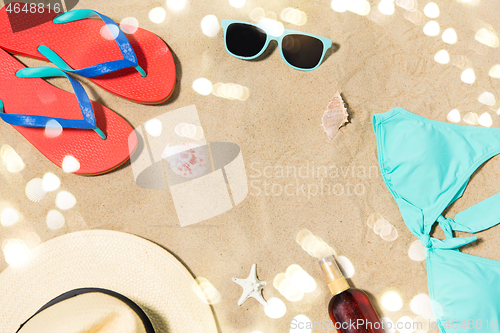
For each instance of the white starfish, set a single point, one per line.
(252, 287)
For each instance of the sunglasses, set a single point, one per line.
(299, 50)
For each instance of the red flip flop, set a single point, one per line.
(74, 43)
(98, 138)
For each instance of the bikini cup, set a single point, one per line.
(426, 165)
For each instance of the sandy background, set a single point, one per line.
(382, 62)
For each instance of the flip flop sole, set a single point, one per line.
(81, 44)
(37, 97)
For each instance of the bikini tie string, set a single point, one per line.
(450, 242)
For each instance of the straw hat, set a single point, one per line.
(89, 310)
(131, 266)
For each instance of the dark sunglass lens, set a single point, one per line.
(302, 51)
(244, 40)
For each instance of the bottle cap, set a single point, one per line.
(334, 277)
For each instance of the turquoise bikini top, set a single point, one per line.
(426, 165)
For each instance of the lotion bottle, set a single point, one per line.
(350, 309)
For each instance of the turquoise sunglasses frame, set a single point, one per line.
(327, 43)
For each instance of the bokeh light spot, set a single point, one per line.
(431, 10)
(12, 160)
(154, 127)
(231, 91)
(272, 27)
(495, 71)
(199, 133)
(389, 233)
(50, 182)
(485, 120)
(442, 57)
(185, 131)
(294, 16)
(16, 253)
(487, 37)
(65, 200)
(370, 221)
(345, 266)
(176, 5)
(237, 3)
(202, 86)
(386, 7)
(292, 269)
(388, 325)
(379, 225)
(360, 7)
(449, 36)
(303, 281)
(468, 76)
(416, 251)
(55, 220)
(421, 305)
(9, 217)
(294, 283)
(157, 15)
(109, 32)
(275, 308)
(303, 324)
(210, 25)
(32, 239)
(189, 131)
(129, 25)
(314, 245)
(392, 301)
(432, 28)
(487, 98)
(70, 164)
(454, 116)
(278, 279)
(257, 14)
(405, 325)
(289, 291)
(414, 16)
(406, 4)
(339, 6)
(471, 118)
(205, 290)
(53, 129)
(178, 129)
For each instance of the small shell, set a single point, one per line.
(335, 116)
(34, 190)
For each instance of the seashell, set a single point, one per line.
(335, 116)
(186, 160)
(34, 190)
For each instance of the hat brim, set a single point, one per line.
(134, 267)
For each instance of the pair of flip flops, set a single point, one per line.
(138, 67)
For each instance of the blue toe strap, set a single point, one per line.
(25, 120)
(129, 57)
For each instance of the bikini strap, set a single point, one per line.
(479, 217)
